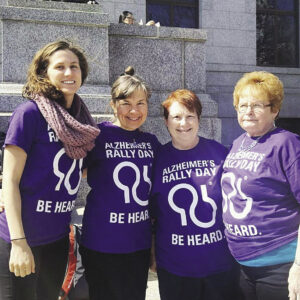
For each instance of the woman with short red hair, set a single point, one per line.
(193, 260)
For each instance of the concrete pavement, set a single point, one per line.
(152, 290)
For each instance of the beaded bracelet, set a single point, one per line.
(23, 238)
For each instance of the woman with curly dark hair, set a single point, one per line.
(47, 139)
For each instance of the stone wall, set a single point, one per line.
(167, 58)
(231, 52)
(28, 25)
(115, 7)
(231, 31)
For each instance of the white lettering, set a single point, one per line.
(202, 239)
(177, 239)
(116, 218)
(64, 206)
(44, 206)
(242, 230)
(52, 137)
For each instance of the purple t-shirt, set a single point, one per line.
(187, 205)
(116, 217)
(50, 179)
(261, 193)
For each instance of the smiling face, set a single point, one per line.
(129, 19)
(131, 112)
(256, 122)
(65, 74)
(183, 126)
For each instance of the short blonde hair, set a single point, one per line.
(262, 85)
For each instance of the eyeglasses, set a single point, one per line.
(130, 19)
(256, 107)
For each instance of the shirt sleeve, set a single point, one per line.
(156, 145)
(153, 191)
(23, 126)
(291, 163)
(292, 174)
(96, 153)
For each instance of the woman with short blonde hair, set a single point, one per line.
(261, 192)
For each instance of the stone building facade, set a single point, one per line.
(167, 58)
(208, 60)
(230, 52)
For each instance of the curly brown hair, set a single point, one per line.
(37, 79)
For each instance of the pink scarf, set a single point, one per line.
(77, 133)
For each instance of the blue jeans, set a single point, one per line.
(45, 283)
(265, 283)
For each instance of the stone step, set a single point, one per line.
(209, 127)
(55, 5)
(97, 99)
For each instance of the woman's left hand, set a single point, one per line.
(150, 23)
(294, 282)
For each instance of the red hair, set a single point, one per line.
(185, 97)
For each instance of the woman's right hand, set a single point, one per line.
(21, 261)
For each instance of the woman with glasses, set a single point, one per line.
(127, 18)
(261, 193)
